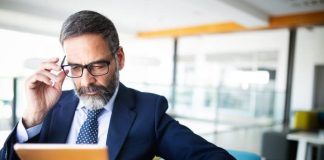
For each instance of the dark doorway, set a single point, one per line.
(318, 100)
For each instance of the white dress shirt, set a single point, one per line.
(80, 116)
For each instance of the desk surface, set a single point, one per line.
(309, 137)
(305, 139)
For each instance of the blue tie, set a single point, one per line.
(89, 130)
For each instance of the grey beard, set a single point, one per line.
(94, 102)
(104, 95)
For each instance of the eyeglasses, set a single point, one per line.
(97, 68)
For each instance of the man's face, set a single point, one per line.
(94, 91)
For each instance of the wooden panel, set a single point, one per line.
(307, 19)
(287, 21)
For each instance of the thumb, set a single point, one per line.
(60, 79)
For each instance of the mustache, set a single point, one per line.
(93, 88)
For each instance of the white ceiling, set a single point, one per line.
(132, 16)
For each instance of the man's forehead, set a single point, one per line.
(85, 42)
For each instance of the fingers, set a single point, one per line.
(36, 78)
(45, 74)
(50, 64)
(45, 77)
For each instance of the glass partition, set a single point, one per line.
(6, 101)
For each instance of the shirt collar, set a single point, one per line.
(109, 106)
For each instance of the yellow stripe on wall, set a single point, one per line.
(203, 29)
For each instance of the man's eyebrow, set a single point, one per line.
(96, 61)
(70, 63)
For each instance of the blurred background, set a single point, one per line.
(232, 70)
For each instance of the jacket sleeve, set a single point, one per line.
(176, 141)
(8, 152)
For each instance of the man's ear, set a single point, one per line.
(121, 58)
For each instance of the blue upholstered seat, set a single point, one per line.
(242, 155)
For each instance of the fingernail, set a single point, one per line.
(53, 82)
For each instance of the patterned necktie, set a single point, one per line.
(88, 133)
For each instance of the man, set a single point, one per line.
(100, 110)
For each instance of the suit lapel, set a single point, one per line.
(62, 118)
(121, 121)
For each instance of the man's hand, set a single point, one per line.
(43, 89)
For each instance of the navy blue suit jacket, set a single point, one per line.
(139, 129)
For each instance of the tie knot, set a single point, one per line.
(93, 114)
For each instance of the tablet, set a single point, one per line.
(61, 152)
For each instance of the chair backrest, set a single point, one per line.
(306, 120)
(242, 155)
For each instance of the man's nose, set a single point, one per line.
(87, 78)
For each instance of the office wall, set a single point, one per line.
(309, 52)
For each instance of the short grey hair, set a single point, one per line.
(87, 21)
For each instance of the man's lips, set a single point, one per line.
(91, 93)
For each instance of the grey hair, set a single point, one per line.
(86, 21)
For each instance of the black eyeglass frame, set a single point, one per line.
(87, 66)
